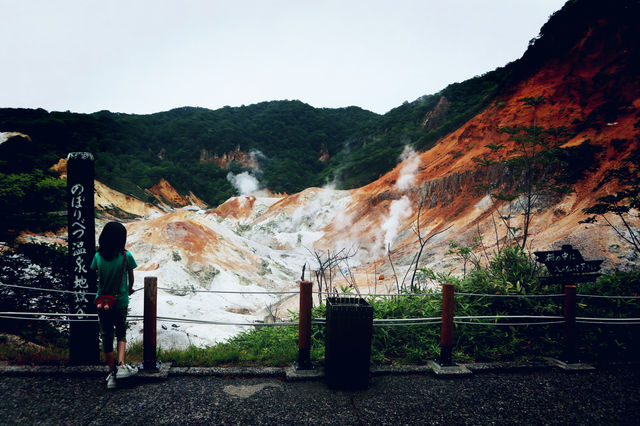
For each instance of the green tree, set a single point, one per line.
(534, 163)
(622, 204)
(30, 201)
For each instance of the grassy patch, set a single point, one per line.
(17, 351)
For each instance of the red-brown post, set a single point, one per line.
(149, 332)
(304, 327)
(570, 334)
(446, 331)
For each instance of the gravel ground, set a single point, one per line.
(550, 396)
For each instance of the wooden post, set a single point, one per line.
(83, 335)
(570, 335)
(304, 327)
(149, 331)
(446, 331)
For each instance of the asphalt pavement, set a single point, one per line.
(606, 395)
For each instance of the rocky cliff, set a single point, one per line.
(242, 158)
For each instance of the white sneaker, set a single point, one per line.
(111, 381)
(125, 370)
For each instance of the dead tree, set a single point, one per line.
(325, 266)
(349, 277)
(422, 242)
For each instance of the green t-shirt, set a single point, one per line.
(108, 272)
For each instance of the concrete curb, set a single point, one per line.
(399, 370)
(579, 366)
(228, 371)
(44, 370)
(293, 375)
(497, 367)
(317, 373)
(161, 374)
(449, 371)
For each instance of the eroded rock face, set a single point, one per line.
(437, 115)
(245, 159)
(112, 203)
(6, 136)
(166, 193)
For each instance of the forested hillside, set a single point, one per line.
(133, 152)
(300, 146)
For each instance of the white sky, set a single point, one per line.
(144, 56)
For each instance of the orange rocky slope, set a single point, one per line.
(167, 195)
(450, 175)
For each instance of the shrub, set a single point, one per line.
(605, 342)
(39, 266)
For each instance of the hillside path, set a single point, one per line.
(604, 396)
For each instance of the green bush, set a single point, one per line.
(610, 342)
(277, 346)
(30, 201)
(40, 266)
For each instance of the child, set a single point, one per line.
(113, 262)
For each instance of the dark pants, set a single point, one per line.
(112, 320)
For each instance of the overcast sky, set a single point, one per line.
(144, 56)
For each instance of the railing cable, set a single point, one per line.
(607, 297)
(508, 323)
(225, 291)
(508, 295)
(329, 294)
(46, 289)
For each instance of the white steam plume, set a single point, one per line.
(245, 183)
(398, 211)
(409, 169)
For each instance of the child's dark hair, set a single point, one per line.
(112, 240)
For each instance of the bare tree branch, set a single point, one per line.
(422, 244)
(393, 267)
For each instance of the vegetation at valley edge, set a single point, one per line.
(510, 271)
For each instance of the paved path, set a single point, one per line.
(549, 396)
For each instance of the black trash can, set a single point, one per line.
(347, 349)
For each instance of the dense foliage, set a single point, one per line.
(37, 266)
(134, 151)
(30, 201)
(624, 203)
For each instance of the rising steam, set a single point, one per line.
(398, 211)
(245, 183)
(401, 209)
(408, 172)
